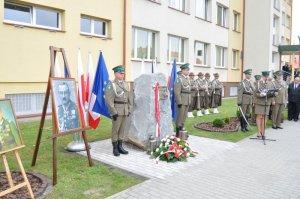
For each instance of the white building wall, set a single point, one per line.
(164, 20)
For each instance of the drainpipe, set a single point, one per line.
(243, 39)
(124, 33)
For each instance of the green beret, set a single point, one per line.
(248, 72)
(185, 66)
(265, 73)
(277, 73)
(119, 69)
(257, 77)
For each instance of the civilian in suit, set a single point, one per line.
(294, 100)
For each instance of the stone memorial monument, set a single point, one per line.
(143, 121)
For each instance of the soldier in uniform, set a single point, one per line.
(262, 103)
(244, 100)
(194, 91)
(280, 100)
(8, 134)
(182, 91)
(119, 101)
(253, 116)
(208, 93)
(201, 94)
(217, 86)
(68, 117)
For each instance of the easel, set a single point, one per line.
(55, 134)
(9, 177)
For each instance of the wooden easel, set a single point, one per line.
(9, 178)
(55, 134)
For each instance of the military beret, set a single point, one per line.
(119, 69)
(265, 73)
(248, 72)
(191, 74)
(277, 73)
(185, 66)
(200, 74)
(257, 77)
(216, 74)
(207, 75)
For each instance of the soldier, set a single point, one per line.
(68, 117)
(208, 93)
(8, 134)
(262, 103)
(201, 94)
(182, 91)
(194, 92)
(280, 100)
(244, 100)
(217, 86)
(253, 116)
(119, 101)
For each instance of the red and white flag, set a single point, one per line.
(157, 109)
(90, 75)
(81, 90)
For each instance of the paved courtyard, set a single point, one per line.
(247, 169)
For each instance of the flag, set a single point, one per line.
(157, 109)
(171, 83)
(81, 90)
(89, 78)
(97, 103)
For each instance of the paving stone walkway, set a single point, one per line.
(222, 170)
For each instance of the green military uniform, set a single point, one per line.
(208, 93)
(119, 101)
(217, 87)
(280, 100)
(253, 116)
(68, 117)
(183, 98)
(201, 94)
(194, 92)
(263, 99)
(8, 135)
(245, 99)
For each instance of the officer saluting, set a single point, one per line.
(244, 101)
(182, 91)
(119, 102)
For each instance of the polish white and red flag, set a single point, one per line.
(81, 90)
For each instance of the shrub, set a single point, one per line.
(238, 113)
(218, 123)
(227, 120)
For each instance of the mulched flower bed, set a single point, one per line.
(232, 126)
(39, 184)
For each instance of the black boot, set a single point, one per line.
(242, 124)
(246, 125)
(120, 148)
(177, 132)
(115, 149)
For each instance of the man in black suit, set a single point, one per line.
(294, 100)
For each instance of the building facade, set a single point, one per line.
(205, 33)
(266, 27)
(29, 27)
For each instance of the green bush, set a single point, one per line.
(227, 120)
(218, 123)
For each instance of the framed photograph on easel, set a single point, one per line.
(66, 107)
(10, 138)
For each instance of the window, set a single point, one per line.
(176, 49)
(201, 53)
(222, 15)
(31, 15)
(203, 9)
(143, 44)
(94, 27)
(177, 4)
(276, 4)
(236, 21)
(288, 21)
(235, 59)
(221, 56)
(283, 18)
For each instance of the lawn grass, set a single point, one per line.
(75, 179)
(228, 109)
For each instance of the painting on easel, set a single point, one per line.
(65, 104)
(10, 137)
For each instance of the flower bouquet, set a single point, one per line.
(173, 149)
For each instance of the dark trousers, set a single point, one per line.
(293, 111)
